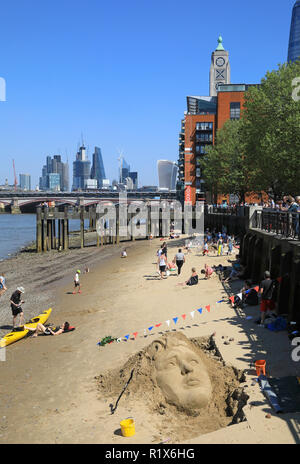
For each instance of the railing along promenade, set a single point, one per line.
(280, 223)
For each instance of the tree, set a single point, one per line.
(270, 132)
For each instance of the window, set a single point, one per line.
(235, 110)
(204, 126)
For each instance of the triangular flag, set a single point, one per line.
(247, 291)
(158, 325)
(256, 288)
(127, 336)
(135, 334)
(221, 301)
(208, 308)
(192, 314)
(175, 319)
(200, 310)
(168, 323)
(119, 340)
(150, 328)
(183, 316)
(240, 295)
(231, 298)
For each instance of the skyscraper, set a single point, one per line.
(81, 170)
(167, 174)
(55, 166)
(25, 181)
(97, 171)
(294, 42)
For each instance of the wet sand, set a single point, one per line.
(49, 390)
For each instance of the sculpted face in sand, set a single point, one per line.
(182, 375)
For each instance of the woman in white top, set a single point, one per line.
(162, 262)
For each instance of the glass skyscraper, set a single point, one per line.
(294, 42)
(97, 171)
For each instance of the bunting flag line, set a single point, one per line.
(200, 310)
(175, 319)
(135, 334)
(150, 328)
(127, 336)
(158, 325)
(208, 308)
(192, 314)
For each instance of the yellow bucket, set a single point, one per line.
(127, 427)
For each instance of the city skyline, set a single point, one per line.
(138, 77)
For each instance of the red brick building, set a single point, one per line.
(204, 116)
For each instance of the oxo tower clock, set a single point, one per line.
(219, 69)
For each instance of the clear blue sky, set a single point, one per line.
(119, 72)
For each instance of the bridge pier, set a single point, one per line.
(14, 207)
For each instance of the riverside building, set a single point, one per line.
(204, 116)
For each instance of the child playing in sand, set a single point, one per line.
(76, 282)
(124, 253)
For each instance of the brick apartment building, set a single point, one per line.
(204, 116)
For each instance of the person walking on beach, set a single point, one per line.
(16, 306)
(162, 263)
(2, 284)
(180, 259)
(76, 282)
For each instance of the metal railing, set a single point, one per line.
(278, 222)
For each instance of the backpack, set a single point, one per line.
(252, 298)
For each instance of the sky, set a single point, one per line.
(118, 73)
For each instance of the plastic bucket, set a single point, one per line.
(127, 427)
(260, 367)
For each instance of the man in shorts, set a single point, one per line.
(266, 291)
(16, 306)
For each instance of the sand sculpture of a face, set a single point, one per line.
(181, 374)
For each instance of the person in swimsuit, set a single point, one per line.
(41, 329)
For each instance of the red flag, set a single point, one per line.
(208, 308)
(256, 288)
(183, 316)
(232, 298)
(279, 279)
(158, 325)
(135, 334)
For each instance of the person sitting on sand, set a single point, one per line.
(41, 329)
(2, 284)
(193, 280)
(208, 271)
(124, 253)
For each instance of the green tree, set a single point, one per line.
(270, 132)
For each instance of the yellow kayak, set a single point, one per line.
(15, 336)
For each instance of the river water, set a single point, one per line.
(18, 230)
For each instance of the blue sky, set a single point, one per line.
(119, 73)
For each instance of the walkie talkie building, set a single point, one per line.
(294, 42)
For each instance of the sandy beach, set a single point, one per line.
(50, 385)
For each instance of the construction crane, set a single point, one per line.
(15, 175)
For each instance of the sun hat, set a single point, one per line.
(78, 271)
(21, 289)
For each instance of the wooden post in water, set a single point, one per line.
(65, 229)
(82, 226)
(38, 229)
